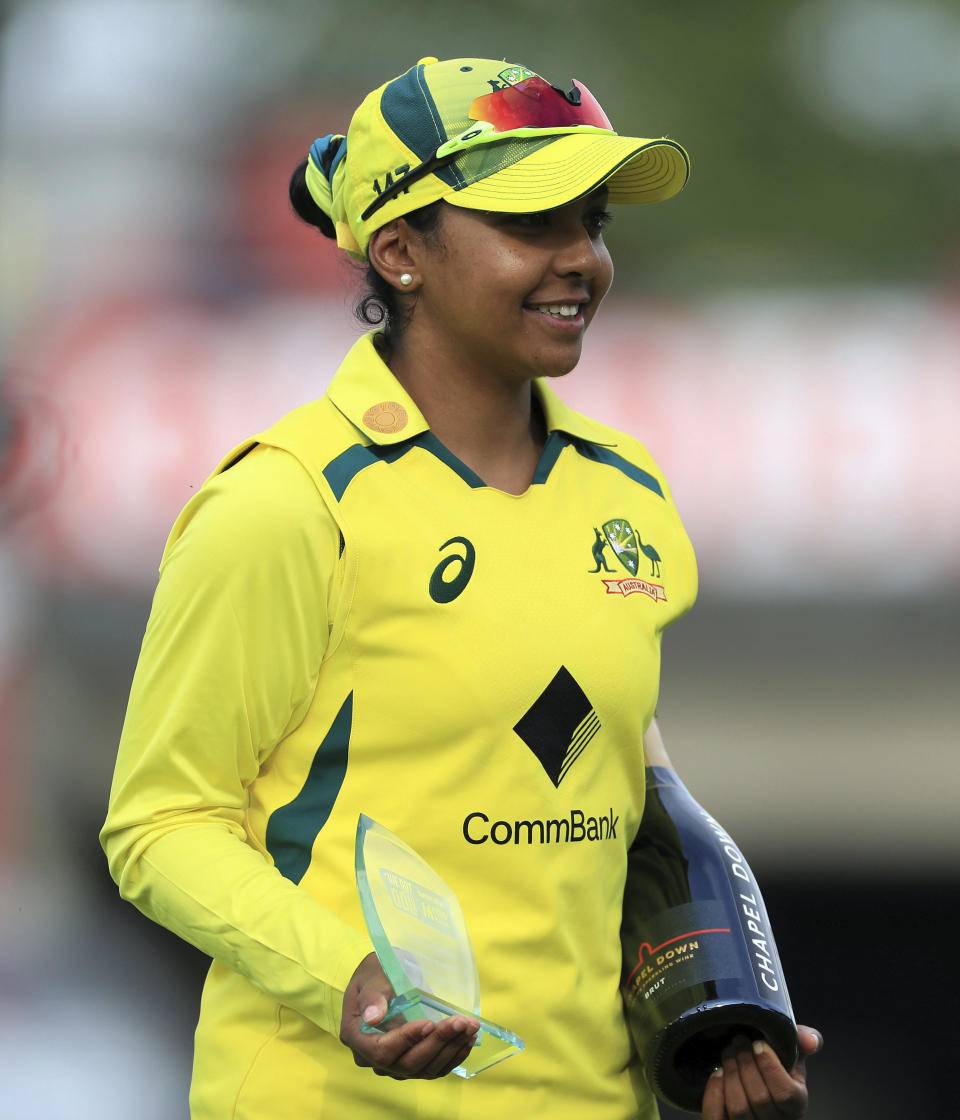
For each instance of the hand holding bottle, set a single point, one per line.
(752, 1085)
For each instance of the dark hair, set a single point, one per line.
(378, 303)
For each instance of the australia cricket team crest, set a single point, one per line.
(634, 554)
(514, 74)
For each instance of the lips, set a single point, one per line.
(564, 315)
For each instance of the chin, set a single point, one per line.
(562, 366)
(555, 373)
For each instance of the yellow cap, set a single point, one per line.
(399, 126)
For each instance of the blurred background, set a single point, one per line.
(784, 336)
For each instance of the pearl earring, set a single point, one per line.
(406, 279)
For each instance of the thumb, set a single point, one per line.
(373, 1004)
(810, 1042)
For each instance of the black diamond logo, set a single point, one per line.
(559, 725)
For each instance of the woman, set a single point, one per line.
(385, 604)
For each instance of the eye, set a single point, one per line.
(597, 221)
(538, 220)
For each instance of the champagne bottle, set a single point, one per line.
(700, 966)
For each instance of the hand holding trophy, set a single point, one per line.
(421, 940)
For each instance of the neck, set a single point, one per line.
(488, 421)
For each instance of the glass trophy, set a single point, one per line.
(421, 940)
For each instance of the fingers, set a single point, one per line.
(745, 1086)
(713, 1107)
(787, 1090)
(417, 1049)
(458, 1041)
(384, 1051)
(752, 1084)
(442, 1050)
(421, 1049)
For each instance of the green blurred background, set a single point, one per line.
(785, 336)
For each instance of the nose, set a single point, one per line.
(581, 254)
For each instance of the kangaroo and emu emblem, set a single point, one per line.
(625, 543)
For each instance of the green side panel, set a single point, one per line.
(292, 829)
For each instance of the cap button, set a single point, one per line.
(387, 417)
(429, 60)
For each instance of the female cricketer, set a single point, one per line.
(434, 596)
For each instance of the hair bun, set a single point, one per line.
(304, 205)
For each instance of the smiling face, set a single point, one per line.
(509, 296)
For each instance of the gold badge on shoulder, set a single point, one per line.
(387, 417)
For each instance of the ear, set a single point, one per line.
(389, 253)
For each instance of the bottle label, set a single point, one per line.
(752, 913)
(686, 945)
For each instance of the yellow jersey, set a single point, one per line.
(349, 620)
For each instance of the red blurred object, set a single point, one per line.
(31, 442)
(123, 410)
(287, 253)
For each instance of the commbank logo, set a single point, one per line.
(574, 828)
(559, 725)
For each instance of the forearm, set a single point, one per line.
(655, 754)
(210, 887)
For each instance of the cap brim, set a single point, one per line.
(634, 170)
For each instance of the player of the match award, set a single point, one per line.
(421, 941)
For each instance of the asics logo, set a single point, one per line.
(453, 573)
